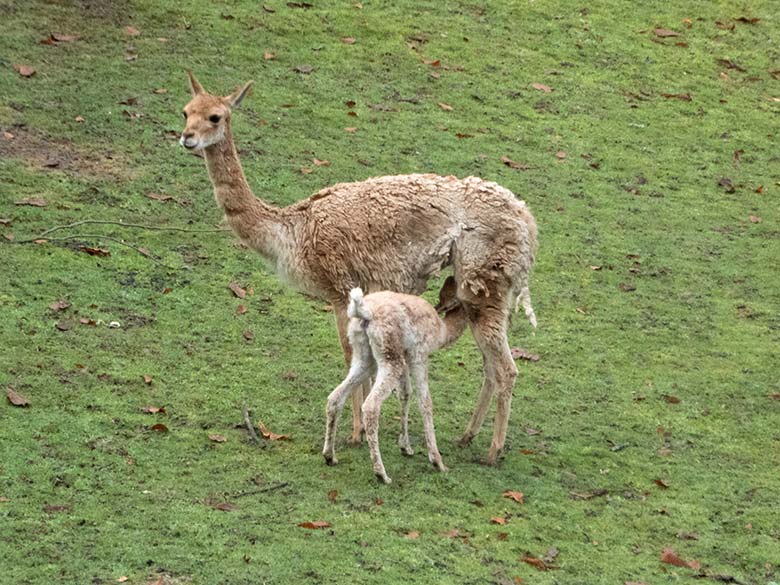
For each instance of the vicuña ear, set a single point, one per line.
(195, 86)
(235, 98)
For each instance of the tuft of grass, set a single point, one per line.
(656, 280)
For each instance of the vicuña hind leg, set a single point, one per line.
(489, 327)
(404, 391)
(358, 395)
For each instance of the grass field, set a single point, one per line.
(647, 151)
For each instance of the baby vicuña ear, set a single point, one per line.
(195, 86)
(235, 98)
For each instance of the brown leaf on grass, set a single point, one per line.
(665, 451)
(24, 70)
(6, 221)
(682, 535)
(671, 399)
(269, 435)
(351, 129)
(122, 579)
(516, 496)
(665, 32)
(52, 508)
(237, 290)
(538, 564)
(729, 64)
(527, 452)
(737, 155)
(755, 219)
(154, 409)
(747, 20)
(542, 87)
(333, 495)
(670, 557)
(15, 398)
(348, 40)
(64, 325)
(304, 69)
(321, 163)
(224, 506)
(290, 375)
(55, 38)
(531, 431)
(686, 97)
(59, 305)
(158, 197)
(550, 555)
(760, 189)
(498, 520)
(560, 155)
(412, 535)
(33, 201)
(502, 536)
(160, 90)
(462, 135)
(445, 107)
(774, 396)
(160, 428)
(627, 287)
(588, 495)
(148, 380)
(269, 56)
(95, 251)
(268, 9)
(218, 438)
(9, 236)
(727, 185)
(661, 483)
(518, 353)
(240, 310)
(132, 31)
(317, 524)
(514, 164)
(306, 171)
(248, 335)
(454, 533)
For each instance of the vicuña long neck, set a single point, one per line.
(260, 225)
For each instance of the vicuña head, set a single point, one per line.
(207, 116)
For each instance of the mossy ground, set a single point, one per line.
(684, 301)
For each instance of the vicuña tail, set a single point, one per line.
(356, 308)
(524, 299)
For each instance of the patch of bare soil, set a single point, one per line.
(56, 154)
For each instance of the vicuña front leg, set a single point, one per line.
(420, 375)
(358, 372)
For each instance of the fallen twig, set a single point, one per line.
(250, 428)
(43, 236)
(98, 237)
(261, 490)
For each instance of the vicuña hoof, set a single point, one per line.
(465, 440)
(330, 460)
(383, 478)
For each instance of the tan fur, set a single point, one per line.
(392, 335)
(386, 233)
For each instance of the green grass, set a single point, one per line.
(637, 194)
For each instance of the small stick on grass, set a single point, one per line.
(278, 486)
(250, 428)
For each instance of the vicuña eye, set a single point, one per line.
(184, 114)
(214, 119)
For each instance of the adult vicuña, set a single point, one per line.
(392, 335)
(386, 233)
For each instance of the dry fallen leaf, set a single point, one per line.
(248, 335)
(52, 508)
(516, 496)
(560, 155)
(34, 201)
(269, 435)
(269, 56)
(671, 399)
(539, 564)
(351, 130)
(686, 97)
(95, 251)
(15, 398)
(59, 305)
(527, 451)
(661, 483)
(160, 428)
(542, 87)
(24, 70)
(241, 309)
(513, 164)
(755, 219)
(147, 380)
(122, 579)
(224, 506)
(520, 353)
(154, 409)
(348, 40)
(670, 557)
(412, 535)
(218, 438)
(498, 520)
(445, 107)
(237, 290)
(315, 525)
(321, 163)
(333, 495)
(305, 69)
(132, 31)
(665, 32)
